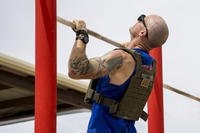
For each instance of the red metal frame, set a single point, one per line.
(155, 102)
(45, 70)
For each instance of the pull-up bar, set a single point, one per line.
(97, 35)
(181, 92)
(90, 32)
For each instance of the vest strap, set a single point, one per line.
(100, 99)
(144, 116)
(112, 104)
(89, 95)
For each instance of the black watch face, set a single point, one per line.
(86, 39)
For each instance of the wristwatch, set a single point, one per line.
(83, 38)
(82, 35)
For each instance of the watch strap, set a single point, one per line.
(82, 35)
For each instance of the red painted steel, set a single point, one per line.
(45, 70)
(155, 102)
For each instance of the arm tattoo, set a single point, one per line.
(100, 67)
(113, 63)
(80, 65)
(107, 65)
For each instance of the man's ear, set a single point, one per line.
(143, 33)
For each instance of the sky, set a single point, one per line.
(112, 19)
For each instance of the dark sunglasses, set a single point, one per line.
(141, 19)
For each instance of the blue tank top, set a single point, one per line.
(103, 122)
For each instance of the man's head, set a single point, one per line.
(149, 32)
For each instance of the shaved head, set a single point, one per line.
(157, 30)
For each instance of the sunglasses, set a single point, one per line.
(141, 19)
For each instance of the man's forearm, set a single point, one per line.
(78, 63)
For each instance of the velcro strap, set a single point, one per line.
(98, 98)
(89, 96)
(112, 104)
(144, 116)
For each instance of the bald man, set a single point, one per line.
(120, 78)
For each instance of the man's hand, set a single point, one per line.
(79, 25)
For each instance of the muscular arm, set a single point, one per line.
(80, 67)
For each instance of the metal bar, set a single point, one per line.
(90, 32)
(181, 92)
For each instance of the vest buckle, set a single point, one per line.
(98, 98)
(113, 107)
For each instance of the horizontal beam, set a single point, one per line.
(19, 102)
(65, 95)
(72, 97)
(4, 87)
(29, 115)
(13, 80)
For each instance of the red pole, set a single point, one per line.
(155, 102)
(45, 70)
